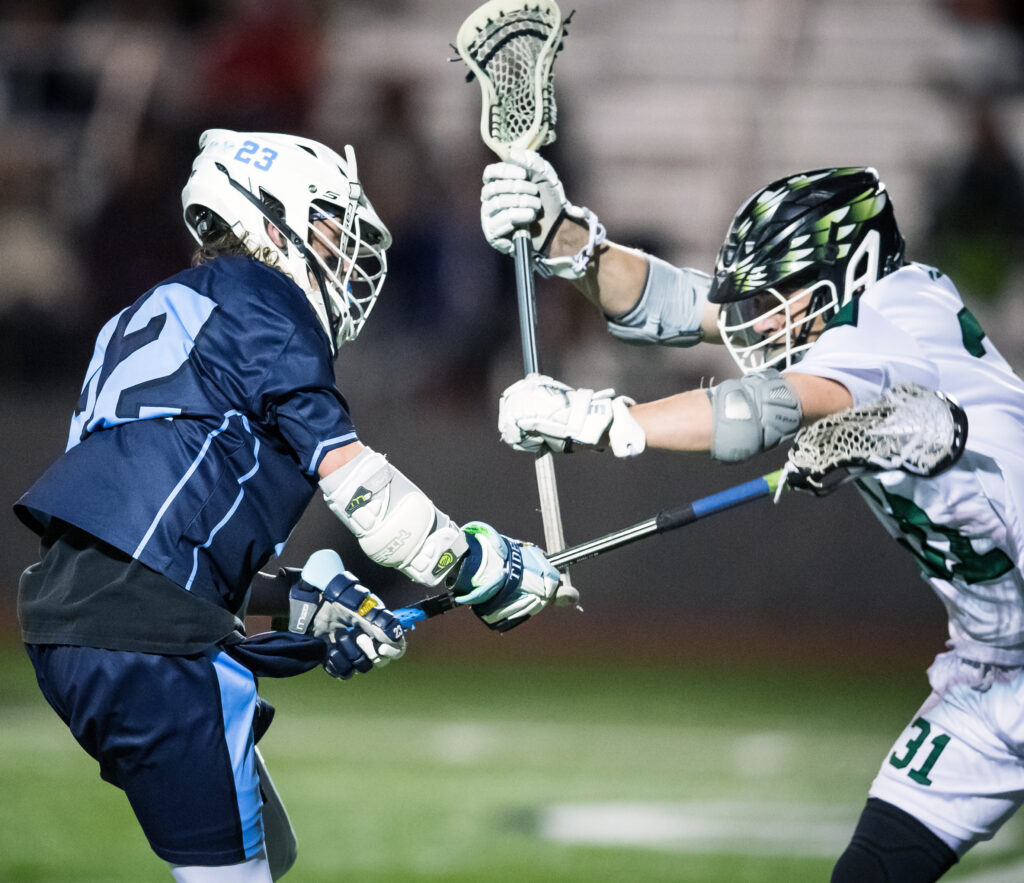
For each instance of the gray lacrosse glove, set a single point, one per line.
(525, 191)
(505, 581)
(538, 412)
(329, 601)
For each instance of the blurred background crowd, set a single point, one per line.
(671, 112)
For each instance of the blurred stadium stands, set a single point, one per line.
(671, 113)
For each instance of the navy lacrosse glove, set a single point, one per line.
(505, 581)
(328, 601)
(347, 653)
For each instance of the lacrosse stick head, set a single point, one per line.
(510, 47)
(910, 428)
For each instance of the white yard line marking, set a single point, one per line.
(733, 827)
(713, 826)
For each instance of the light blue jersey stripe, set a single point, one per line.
(184, 479)
(329, 443)
(238, 703)
(227, 517)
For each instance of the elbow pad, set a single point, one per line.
(752, 414)
(670, 309)
(395, 522)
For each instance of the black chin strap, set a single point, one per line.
(303, 249)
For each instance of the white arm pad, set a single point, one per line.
(395, 522)
(670, 309)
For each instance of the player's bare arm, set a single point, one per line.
(338, 457)
(616, 276)
(644, 299)
(819, 396)
(681, 422)
(733, 420)
(684, 422)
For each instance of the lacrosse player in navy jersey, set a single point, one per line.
(208, 419)
(815, 301)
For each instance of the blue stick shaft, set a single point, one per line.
(667, 519)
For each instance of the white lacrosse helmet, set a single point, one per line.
(250, 181)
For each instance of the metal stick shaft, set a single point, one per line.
(547, 487)
(527, 300)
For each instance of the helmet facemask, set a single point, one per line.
(346, 266)
(781, 346)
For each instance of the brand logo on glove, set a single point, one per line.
(360, 498)
(391, 549)
(302, 623)
(446, 560)
(515, 564)
(366, 606)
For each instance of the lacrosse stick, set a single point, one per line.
(911, 429)
(510, 47)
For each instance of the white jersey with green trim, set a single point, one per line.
(964, 526)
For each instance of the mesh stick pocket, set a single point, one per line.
(910, 428)
(510, 47)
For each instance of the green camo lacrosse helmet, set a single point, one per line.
(801, 248)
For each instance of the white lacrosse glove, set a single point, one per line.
(525, 191)
(538, 412)
(505, 580)
(329, 600)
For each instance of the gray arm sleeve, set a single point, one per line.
(752, 414)
(670, 309)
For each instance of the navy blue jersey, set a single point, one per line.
(206, 409)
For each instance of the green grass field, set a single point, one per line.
(467, 771)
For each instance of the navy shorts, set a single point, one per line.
(176, 734)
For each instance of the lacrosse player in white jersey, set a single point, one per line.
(816, 303)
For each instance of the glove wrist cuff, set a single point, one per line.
(574, 266)
(484, 569)
(302, 607)
(626, 437)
